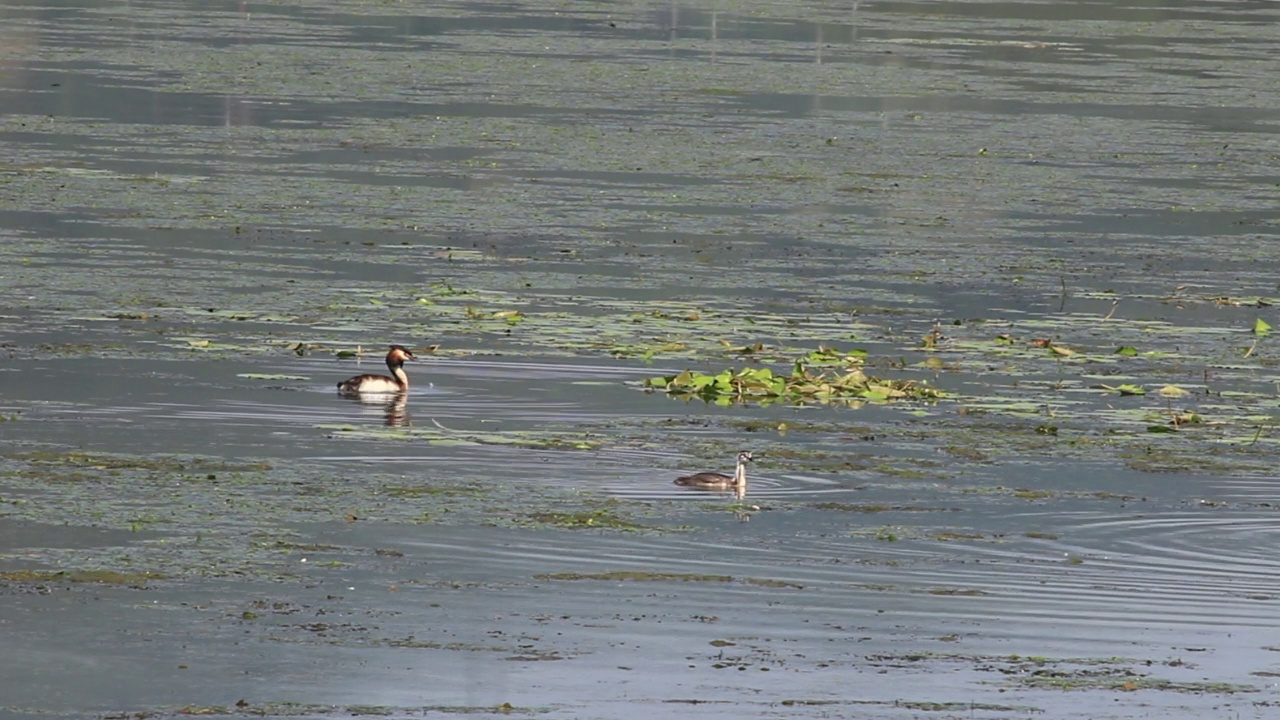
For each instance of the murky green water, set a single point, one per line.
(1062, 216)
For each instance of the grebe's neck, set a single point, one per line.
(401, 377)
(740, 474)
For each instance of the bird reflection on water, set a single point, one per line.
(394, 406)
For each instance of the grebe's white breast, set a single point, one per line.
(371, 384)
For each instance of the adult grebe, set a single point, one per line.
(398, 382)
(719, 481)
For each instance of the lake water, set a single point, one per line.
(1063, 216)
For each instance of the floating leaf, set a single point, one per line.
(805, 383)
(1260, 327)
(824, 356)
(1173, 391)
(1126, 350)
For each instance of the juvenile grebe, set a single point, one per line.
(398, 382)
(719, 481)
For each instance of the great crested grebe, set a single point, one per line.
(719, 481)
(398, 382)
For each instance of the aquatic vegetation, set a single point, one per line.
(872, 508)
(693, 248)
(597, 519)
(1076, 673)
(822, 376)
(1126, 389)
(244, 708)
(438, 490)
(642, 576)
(1123, 680)
(161, 463)
(438, 435)
(102, 577)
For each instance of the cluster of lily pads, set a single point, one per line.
(822, 376)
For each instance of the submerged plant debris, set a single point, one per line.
(640, 576)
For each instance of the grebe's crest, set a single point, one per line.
(399, 353)
(397, 383)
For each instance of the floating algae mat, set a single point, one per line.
(804, 384)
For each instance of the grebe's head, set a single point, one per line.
(745, 456)
(399, 354)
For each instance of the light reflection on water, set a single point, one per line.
(859, 555)
(1176, 560)
(825, 156)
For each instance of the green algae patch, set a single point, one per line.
(1115, 674)
(420, 491)
(967, 453)
(287, 546)
(446, 437)
(587, 519)
(244, 708)
(873, 508)
(953, 707)
(1124, 681)
(642, 576)
(239, 523)
(1025, 494)
(961, 707)
(100, 577)
(157, 463)
(823, 376)
(1216, 461)
(765, 582)
(954, 535)
(417, 644)
(954, 592)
